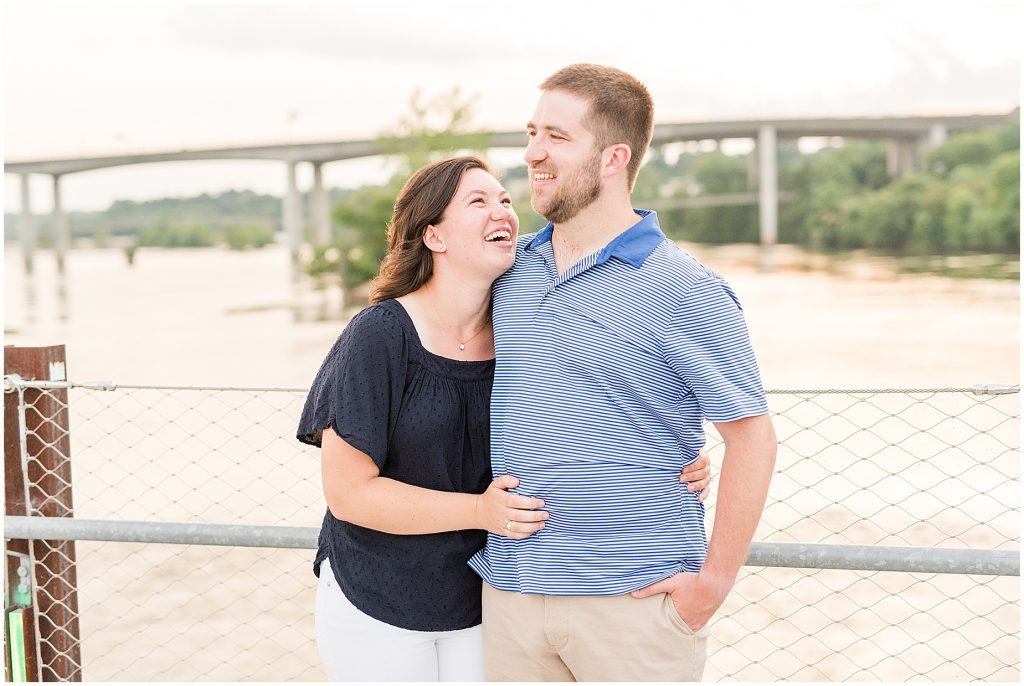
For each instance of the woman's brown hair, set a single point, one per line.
(409, 263)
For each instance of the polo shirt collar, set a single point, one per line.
(634, 245)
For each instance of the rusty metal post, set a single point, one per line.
(16, 551)
(37, 482)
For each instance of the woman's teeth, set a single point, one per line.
(499, 236)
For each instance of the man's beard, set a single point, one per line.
(577, 192)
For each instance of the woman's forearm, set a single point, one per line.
(357, 493)
(394, 507)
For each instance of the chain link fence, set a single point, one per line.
(921, 468)
(911, 468)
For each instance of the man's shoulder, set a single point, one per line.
(676, 268)
(524, 240)
(516, 271)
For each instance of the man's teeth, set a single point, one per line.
(499, 236)
(542, 176)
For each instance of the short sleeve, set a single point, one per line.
(359, 386)
(709, 347)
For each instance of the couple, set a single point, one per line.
(582, 390)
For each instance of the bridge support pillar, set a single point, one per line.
(27, 225)
(752, 169)
(768, 176)
(320, 208)
(291, 214)
(937, 135)
(61, 231)
(899, 158)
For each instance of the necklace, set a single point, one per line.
(462, 344)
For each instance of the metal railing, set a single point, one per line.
(888, 550)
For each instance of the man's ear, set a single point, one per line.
(615, 159)
(432, 240)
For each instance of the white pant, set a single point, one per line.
(357, 647)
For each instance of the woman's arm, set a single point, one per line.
(356, 493)
(697, 475)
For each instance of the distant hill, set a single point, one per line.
(129, 217)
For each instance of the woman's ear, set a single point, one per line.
(432, 240)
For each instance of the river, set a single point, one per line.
(218, 317)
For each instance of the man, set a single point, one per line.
(612, 344)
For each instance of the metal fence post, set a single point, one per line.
(37, 471)
(19, 615)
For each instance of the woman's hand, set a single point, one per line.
(697, 475)
(507, 514)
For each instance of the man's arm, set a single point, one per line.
(750, 447)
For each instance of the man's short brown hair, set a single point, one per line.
(621, 108)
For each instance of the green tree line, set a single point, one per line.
(188, 235)
(966, 199)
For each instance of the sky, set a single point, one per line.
(87, 79)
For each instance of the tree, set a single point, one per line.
(433, 128)
(966, 148)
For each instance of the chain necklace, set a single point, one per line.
(462, 344)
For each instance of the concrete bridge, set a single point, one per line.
(905, 136)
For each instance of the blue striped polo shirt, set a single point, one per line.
(604, 376)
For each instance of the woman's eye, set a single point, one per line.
(507, 201)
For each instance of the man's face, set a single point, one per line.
(563, 158)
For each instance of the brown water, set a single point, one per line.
(223, 318)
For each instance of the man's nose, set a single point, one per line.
(535, 151)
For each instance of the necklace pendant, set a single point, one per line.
(462, 346)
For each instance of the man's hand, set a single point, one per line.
(747, 465)
(696, 596)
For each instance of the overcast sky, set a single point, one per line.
(102, 79)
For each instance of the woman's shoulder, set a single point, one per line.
(383, 319)
(378, 328)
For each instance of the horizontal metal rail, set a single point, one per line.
(881, 558)
(762, 554)
(182, 533)
(14, 382)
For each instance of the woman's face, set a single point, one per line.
(478, 228)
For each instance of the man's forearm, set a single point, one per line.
(750, 447)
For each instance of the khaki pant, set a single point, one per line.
(588, 638)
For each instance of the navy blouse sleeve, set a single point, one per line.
(359, 387)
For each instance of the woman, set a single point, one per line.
(406, 468)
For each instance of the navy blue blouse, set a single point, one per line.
(424, 420)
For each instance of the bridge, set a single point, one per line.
(906, 137)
